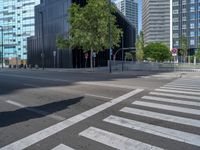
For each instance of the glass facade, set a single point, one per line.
(17, 19)
(186, 22)
(130, 9)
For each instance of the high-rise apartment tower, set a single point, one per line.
(17, 20)
(156, 21)
(186, 22)
(130, 9)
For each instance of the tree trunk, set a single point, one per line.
(91, 58)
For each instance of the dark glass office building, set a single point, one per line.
(51, 21)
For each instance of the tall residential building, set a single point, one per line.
(156, 21)
(186, 22)
(129, 8)
(17, 19)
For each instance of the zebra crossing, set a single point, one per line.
(179, 97)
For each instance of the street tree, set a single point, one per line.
(157, 52)
(128, 56)
(89, 27)
(183, 47)
(140, 47)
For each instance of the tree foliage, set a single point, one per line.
(140, 47)
(183, 46)
(198, 54)
(157, 52)
(128, 56)
(89, 26)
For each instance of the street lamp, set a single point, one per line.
(2, 44)
(110, 39)
(42, 54)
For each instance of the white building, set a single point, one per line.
(130, 9)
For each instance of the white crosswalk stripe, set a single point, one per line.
(168, 107)
(176, 95)
(179, 93)
(169, 100)
(184, 86)
(114, 140)
(160, 116)
(156, 130)
(176, 91)
(62, 147)
(182, 89)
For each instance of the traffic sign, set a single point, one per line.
(174, 51)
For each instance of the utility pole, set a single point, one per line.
(110, 39)
(2, 45)
(42, 55)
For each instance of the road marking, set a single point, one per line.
(43, 134)
(40, 112)
(115, 141)
(164, 117)
(68, 81)
(62, 147)
(176, 86)
(168, 100)
(167, 107)
(31, 85)
(175, 95)
(183, 89)
(175, 91)
(184, 85)
(180, 136)
(98, 96)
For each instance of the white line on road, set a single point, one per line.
(31, 85)
(180, 136)
(175, 95)
(176, 91)
(41, 135)
(62, 147)
(183, 89)
(186, 87)
(164, 117)
(99, 96)
(40, 112)
(114, 140)
(168, 107)
(168, 100)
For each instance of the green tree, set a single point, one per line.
(89, 26)
(128, 56)
(157, 52)
(140, 47)
(198, 54)
(183, 47)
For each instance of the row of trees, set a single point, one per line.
(160, 52)
(90, 28)
(153, 51)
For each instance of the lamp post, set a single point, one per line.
(110, 39)
(2, 44)
(42, 54)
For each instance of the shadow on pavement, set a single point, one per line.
(27, 113)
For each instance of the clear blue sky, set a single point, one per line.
(139, 14)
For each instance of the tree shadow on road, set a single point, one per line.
(27, 113)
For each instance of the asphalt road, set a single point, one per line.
(44, 110)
